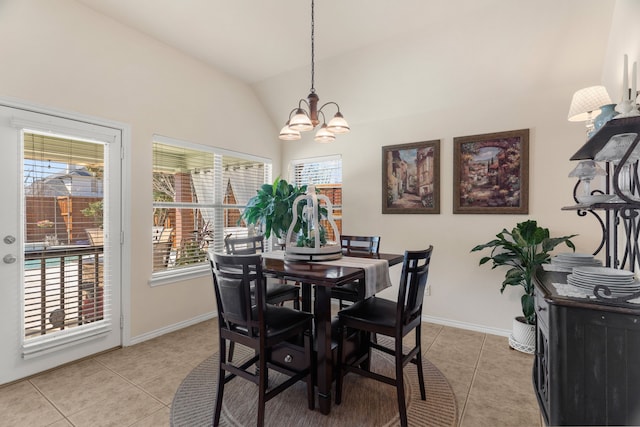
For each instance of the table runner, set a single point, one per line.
(376, 271)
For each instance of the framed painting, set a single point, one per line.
(411, 178)
(491, 173)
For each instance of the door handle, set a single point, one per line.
(9, 259)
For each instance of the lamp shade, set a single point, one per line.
(288, 134)
(300, 121)
(323, 135)
(586, 103)
(338, 124)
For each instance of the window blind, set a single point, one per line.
(66, 277)
(326, 174)
(198, 196)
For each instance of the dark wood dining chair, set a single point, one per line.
(394, 319)
(354, 291)
(280, 336)
(278, 291)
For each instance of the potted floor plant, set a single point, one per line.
(523, 249)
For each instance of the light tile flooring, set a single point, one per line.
(134, 386)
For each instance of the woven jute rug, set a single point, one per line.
(365, 402)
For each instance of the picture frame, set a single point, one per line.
(411, 178)
(491, 173)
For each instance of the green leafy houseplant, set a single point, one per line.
(272, 207)
(523, 249)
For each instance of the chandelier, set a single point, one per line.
(303, 120)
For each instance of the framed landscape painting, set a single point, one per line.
(411, 178)
(491, 173)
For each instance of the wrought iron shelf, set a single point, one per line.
(604, 134)
(620, 220)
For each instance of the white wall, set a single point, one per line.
(470, 77)
(503, 70)
(62, 55)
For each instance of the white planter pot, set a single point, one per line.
(523, 336)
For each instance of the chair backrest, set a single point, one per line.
(165, 235)
(156, 232)
(244, 245)
(234, 276)
(413, 282)
(360, 244)
(96, 236)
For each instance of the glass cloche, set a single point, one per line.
(308, 238)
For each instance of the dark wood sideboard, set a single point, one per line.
(587, 362)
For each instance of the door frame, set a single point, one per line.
(125, 194)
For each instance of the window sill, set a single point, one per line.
(169, 277)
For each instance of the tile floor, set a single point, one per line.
(134, 386)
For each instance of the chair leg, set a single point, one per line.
(232, 346)
(402, 406)
(339, 376)
(423, 394)
(262, 385)
(221, 377)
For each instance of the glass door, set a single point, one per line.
(61, 247)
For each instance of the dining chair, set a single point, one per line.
(354, 291)
(278, 291)
(280, 336)
(394, 319)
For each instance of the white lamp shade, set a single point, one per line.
(338, 124)
(300, 121)
(324, 136)
(586, 103)
(288, 134)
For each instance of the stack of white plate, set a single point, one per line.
(566, 261)
(620, 282)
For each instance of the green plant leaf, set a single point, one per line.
(522, 250)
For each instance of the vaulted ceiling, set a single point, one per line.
(380, 58)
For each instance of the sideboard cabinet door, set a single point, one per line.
(587, 363)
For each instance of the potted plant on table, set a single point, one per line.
(271, 208)
(522, 250)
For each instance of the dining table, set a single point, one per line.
(322, 276)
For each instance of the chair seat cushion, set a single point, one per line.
(275, 288)
(349, 288)
(377, 312)
(282, 320)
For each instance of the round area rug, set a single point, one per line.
(365, 402)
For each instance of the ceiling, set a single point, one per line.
(254, 40)
(416, 55)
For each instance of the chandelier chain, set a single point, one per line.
(313, 68)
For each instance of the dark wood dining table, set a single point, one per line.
(322, 277)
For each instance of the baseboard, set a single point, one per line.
(465, 325)
(207, 316)
(172, 328)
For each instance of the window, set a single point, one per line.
(326, 174)
(198, 196)
(64, 269)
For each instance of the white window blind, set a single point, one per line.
(66, 277)
(326, 174)
(318, 171)
(198, 196)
